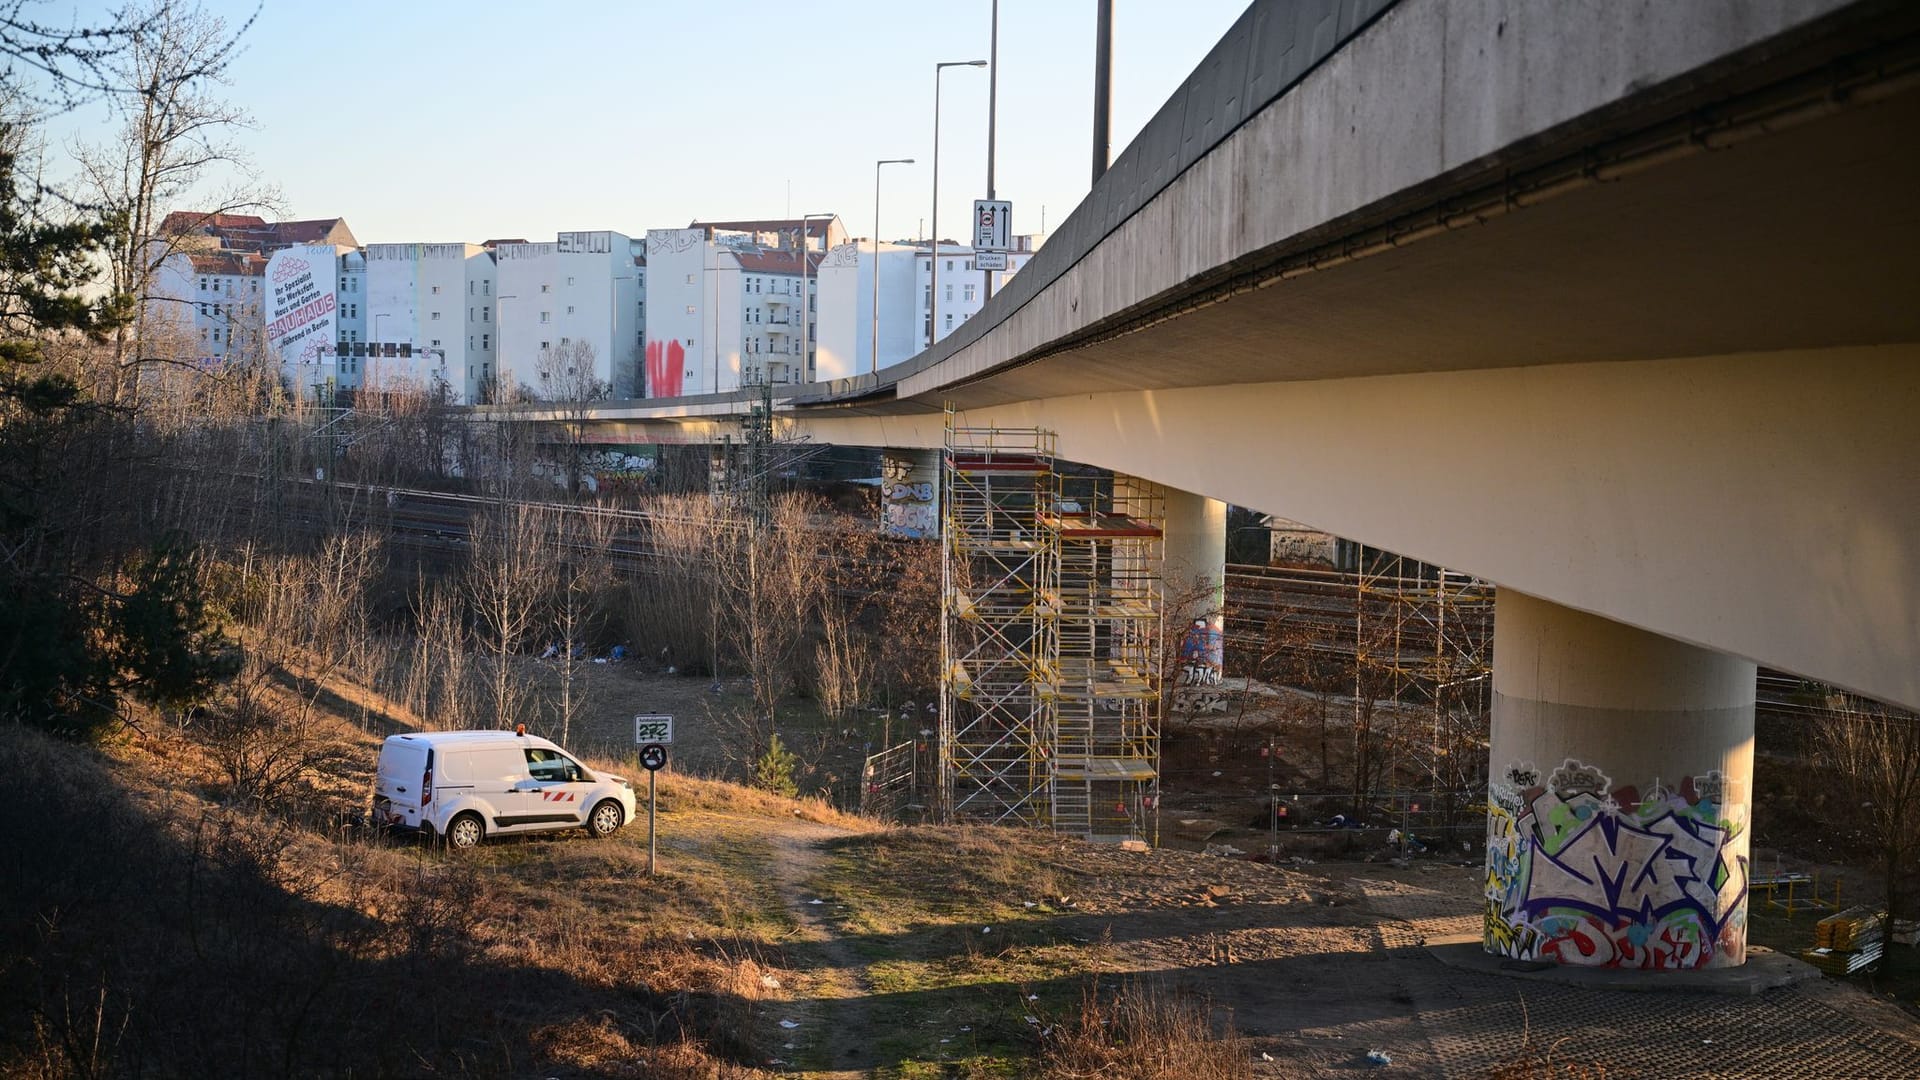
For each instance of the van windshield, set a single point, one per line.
(544, 764)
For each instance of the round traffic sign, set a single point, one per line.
(653, 756)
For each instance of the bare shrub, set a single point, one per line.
(508, 579)
(1141, 1031)
(1874, 752)
(669, 610)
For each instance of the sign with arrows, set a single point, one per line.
(992, 225)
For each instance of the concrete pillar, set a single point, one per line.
(1196, 541)
(1618, 811)
(910, 493)
(1194, 569)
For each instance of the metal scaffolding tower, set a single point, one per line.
(1423, 647)
(1102, 669)
(1050, 640)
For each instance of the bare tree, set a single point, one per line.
(67, 65)
(844, 660)
(509, 574)
(771, 582)
(174, 145)
(1874, 752)
(909, 660)
(442, 656)
(670, 610)
(568, 376)
(584, 571)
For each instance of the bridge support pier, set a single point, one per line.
(1195, 546)
(1621, 791)
(1194, 574)
(910, 493)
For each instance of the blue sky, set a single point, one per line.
(437, 121)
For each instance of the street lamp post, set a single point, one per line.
(805, 305)
(993, 109)
(873, 362)
(933, 285)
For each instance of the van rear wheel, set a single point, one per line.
(465, 831)
(606, 819)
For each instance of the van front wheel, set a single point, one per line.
(606, 819)
(465, 831)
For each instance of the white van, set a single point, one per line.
(464, 785)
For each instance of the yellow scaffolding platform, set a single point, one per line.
(1052, 642)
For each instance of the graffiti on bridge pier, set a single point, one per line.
(1581, 872)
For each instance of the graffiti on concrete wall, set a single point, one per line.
(1582, 872)
(666, 366)
(908, 506)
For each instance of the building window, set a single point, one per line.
(949, 296)
(926, 295)
(216, 333)
(486, 288)
(949, 264)
(689, 279)
(545, 287)
(203, 309)
(203, 284)
(969, 294)
(689, 309)
(569, 281)
(436, 288)
(343, 284)
(545, 344)
(546, 316)
(436, 343)
(949, 320)
(203, 333)
(569, 306)
(486, 314)
(436, 315)
(486, 341)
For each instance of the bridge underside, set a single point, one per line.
(1683, 400)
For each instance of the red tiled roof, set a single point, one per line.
(183, 221)
(315, 231)
(246, 232)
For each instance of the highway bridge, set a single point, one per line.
(1613, 305)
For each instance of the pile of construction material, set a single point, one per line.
(1846, 942)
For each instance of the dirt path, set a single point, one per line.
(830, 998)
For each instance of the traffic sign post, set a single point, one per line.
(654, 732)
(992, 224)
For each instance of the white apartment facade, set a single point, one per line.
(206, 306)
(430, 319)
(730, 303)
(846, 309)
(962, 286)
(908, 313)
(207, 301)
(571, 315)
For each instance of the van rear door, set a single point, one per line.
(397, 784)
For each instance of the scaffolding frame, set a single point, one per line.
(1423, 646)
(1050, 639)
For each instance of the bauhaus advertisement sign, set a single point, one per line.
(300, 303)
